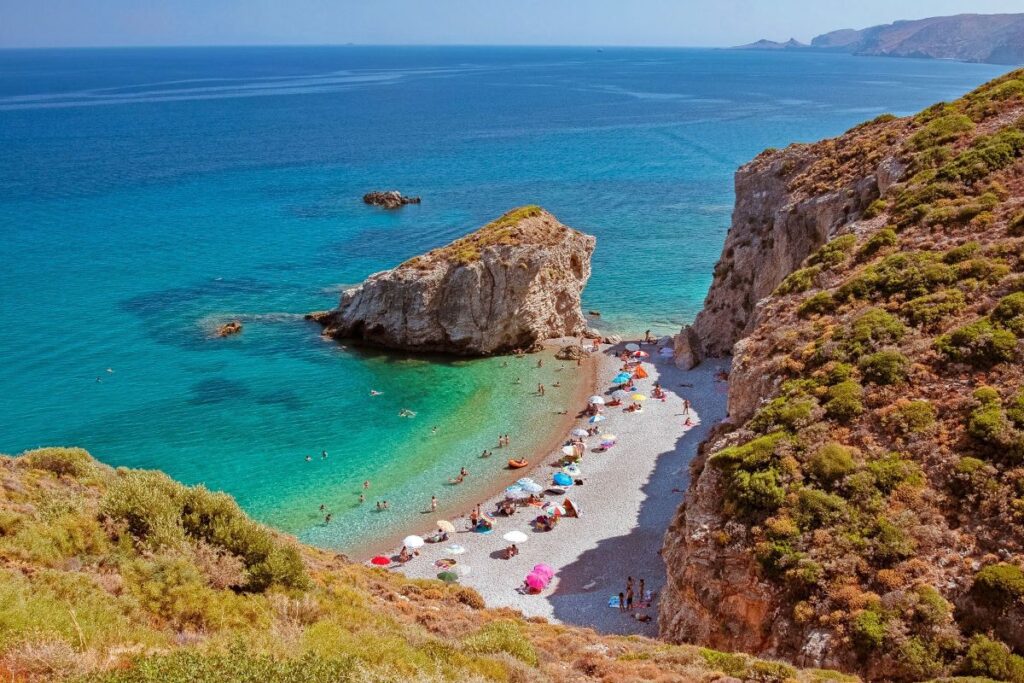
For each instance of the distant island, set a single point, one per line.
(985, 38)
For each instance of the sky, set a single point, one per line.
(696, 23)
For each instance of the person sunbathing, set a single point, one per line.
(404, 555)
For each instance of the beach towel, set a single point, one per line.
(445, 563)
(613, 601)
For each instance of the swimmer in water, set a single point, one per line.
(309, 458)
(374, 392)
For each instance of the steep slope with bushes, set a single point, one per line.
(128, 577)
(863, 509)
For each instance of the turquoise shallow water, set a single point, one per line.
(147, 194)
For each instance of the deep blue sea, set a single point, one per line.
(146, 194)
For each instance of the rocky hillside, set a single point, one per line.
(128, 577)
(992, 38)
(509, 285)
(863, 508)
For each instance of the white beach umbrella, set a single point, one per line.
(413, 542)
(517, 494)
(595, 401)
(579, 431)
(632, 347)
(531, 487)
(568, 450)
(620, 394)
(516, 536)
(598, 418)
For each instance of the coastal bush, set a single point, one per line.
(759, 491)
(751, 455)
(987, 154)
(831, 462)
(822, 302)
(844, 401)
(959, 210)
(875, 208)
(931, 310)
(502, 636)
(816, 508)
(908, 274)
(1009, 313)
(980, 344)
(988, 423)
(884, 367)
(868, 628)
(893, 470)
(981, 270)
(170, 588)
(990, 658)
(918, 659)
(909, 417)
(961, 253)
(784, 413)
(798, 281)
(999, 584)
(941, 130)
(890, 542)
(834, 252)
(884, 238)
(72, 462)
(1016, 224)
(871, 329)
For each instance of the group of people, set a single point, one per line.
(628, 597)
(463, 473)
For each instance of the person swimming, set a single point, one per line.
(374, 392)
(405, 412)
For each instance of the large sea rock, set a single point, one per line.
(510, 285)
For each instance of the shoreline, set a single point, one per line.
(494, 486)
(630, 496)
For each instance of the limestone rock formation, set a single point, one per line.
(389, 199)
(509, 285)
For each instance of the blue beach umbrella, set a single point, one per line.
(562, 479)
(622, 378)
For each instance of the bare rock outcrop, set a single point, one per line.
(229, 329)
(509, 285)
(389, 199)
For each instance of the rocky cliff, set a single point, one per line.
(863, 507)
(509, 285)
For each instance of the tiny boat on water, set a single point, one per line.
(517, 464)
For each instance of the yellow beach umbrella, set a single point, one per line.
(639, 397)
(445, 525)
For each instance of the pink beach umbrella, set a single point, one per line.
(536, 581)
(544, 570)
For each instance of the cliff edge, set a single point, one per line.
(510, 285)
(863, 507)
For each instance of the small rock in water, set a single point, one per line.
(389, 199)
(229, 328)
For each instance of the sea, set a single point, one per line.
(147, 195)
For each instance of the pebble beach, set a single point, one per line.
(628, 497)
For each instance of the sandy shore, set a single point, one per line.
(629, 496)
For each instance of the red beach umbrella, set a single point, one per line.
(381, 561)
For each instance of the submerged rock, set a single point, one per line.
(510, 285)
(229, 328)
(389, 199)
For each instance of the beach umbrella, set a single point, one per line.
(448, 577)
(543, 570)
(413, 542)
(562, 479)
(516, 536)
(572, 470)
(579, 431)
(381, 561)
(536, 581)
(595, 401)
(622, 378)
(445, 525)
(530, 486)
(517, 494)
(620, 394)
(597, 418)
(568, 450)
(638, 397)
(455, 549)
(632, 346)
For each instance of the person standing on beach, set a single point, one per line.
(641, 599)
(433, 503)
(629, 598)
(622, 602)
(629, 584)
(686, 407)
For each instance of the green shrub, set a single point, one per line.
(961, 253)
(170, 588)
(993, 659)
(729, 663)
(875, 208)
(834, 252)
(73, 462)
(784, 413)
(941, 130)
(798, 281)
(817, 508)
(1015, 410)
(751, 455)
(918, 659)
(1000, 584)
(872, 329)
(987, 154)
(890, 542)
(930, 310)
(910, 417)
(502, 636)
(884, 238)
(844, 401)
(908, 274)
(1009, 312)
(1016, 226)
(822, 302)
(148, 503)
(931, 607)
(868, 629)
(885, 367)
(760, 491)
(982, 270)
(988, 422)
(831, 462)
(893, 470)
(980, 344)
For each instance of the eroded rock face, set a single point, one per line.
(513, 283)
(774, 228)
(389, 199)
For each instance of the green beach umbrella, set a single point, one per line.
(448, 577)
